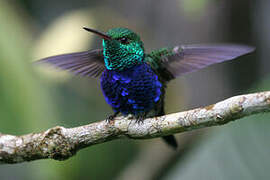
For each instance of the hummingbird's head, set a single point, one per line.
(122, 48)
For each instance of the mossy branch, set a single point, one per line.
(61, 143)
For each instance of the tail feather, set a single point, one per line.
(171, 141)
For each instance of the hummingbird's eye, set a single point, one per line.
(123, 40)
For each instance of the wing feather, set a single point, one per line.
(173, 62)
(87, 63)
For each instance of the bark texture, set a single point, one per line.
(61, 143)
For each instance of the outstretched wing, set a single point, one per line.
(87, 63)
(173, 62)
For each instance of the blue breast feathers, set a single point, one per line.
(132, 91)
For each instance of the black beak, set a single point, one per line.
(100, 34)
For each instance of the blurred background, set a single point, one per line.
(33, 98)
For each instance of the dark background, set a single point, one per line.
(33, 99)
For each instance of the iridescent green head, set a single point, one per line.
(122, 48)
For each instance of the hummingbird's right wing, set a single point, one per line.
(172, 62)
(87, 63)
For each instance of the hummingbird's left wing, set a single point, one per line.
(87, 63)
(173, 62)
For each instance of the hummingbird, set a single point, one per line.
(134, 82)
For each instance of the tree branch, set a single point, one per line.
(61, 143)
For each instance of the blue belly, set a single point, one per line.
(132, 91)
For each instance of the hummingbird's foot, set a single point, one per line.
(140, 119)
(111, 117)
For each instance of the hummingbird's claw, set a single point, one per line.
(110, 118)
(140, 119)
